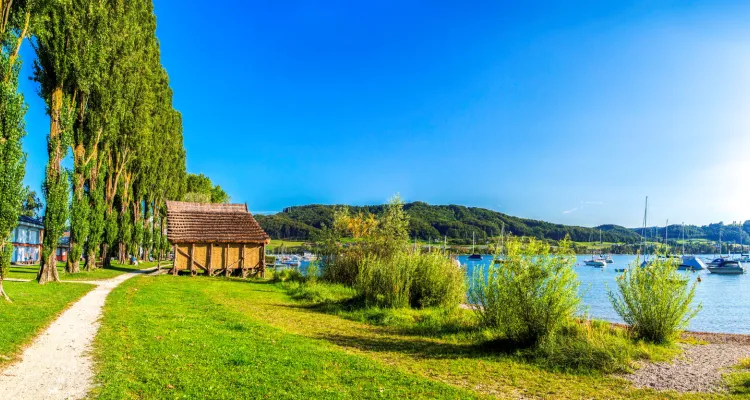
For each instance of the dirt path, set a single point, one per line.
(57, 364)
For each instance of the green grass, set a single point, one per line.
(177, 337)
(30, 271)
(739, 381)
(182, 337)
(287, 243)
(34, 306)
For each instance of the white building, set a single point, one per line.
(27, 241)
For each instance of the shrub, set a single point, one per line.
(655, 300)
(531, 295)
(385, 282)
(411, 280)
(287, 275)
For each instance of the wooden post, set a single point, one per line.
(190, 259)
(263, 260)
(174, 260)
(227, 272)
(242, 260)
(210, 258)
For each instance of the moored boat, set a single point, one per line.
(723, 266)
(596, 262)
(691, 263)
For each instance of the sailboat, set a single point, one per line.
(501, 258)
(597, 261)
(474, 255)
(689, 262)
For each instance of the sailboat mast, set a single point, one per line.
(683, 238)
(643, 231)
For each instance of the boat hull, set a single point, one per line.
(726, 270)
(596, 263)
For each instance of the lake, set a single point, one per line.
(725, 298)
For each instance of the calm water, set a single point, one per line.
(725, 298)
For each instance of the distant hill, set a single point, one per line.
(457, 223)
(729, 233)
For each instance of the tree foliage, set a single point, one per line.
(13, 28)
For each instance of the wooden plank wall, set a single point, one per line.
(219, 257)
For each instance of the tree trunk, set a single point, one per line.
(48, 270)
(90, 260)
(2, 291)
(106, 262)
(73, 266)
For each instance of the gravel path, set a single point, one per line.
(699, 369)
(57, 365)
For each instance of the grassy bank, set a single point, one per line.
(34, 306)
(177, 337)
(30, 271)
(207, 337)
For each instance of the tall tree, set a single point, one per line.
(31, 204)
(14, 23)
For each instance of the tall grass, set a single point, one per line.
(655, 300)
(531, 295)
(410, 280)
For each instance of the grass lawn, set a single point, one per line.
(203, 337)
(181, 337)
(30, 271)
(287, 243)
(34, 306)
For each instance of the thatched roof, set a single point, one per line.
(212, 223)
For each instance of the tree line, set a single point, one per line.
(459, 224)
(98, 69)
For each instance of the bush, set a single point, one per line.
(531, 295)
(411, 280)
(287, 275)
(655, 300)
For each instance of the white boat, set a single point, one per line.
(307, 256)
(723, 266)
(293, 261)
(608, 259)
(691, 263)
(745, 258)
(596, 262)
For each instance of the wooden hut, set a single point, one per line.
(216, 238)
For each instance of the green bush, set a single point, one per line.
(655, 300)
(531, 295)
(411, 280)
(287, 275)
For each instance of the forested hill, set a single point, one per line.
(434, 222)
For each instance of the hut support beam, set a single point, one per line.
(242, 261)
(191, 250)
(210, 259)
(263, 260)
(174, 260)
(227, 271)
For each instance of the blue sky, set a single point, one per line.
(570, 112)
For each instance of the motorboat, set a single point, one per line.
(608, 259)
(291, 261)
(745, 258)
(723, 266)
(596, 262)
(691, 263)
(307, 256)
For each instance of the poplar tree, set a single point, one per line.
(14, 24)
(53, 43)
